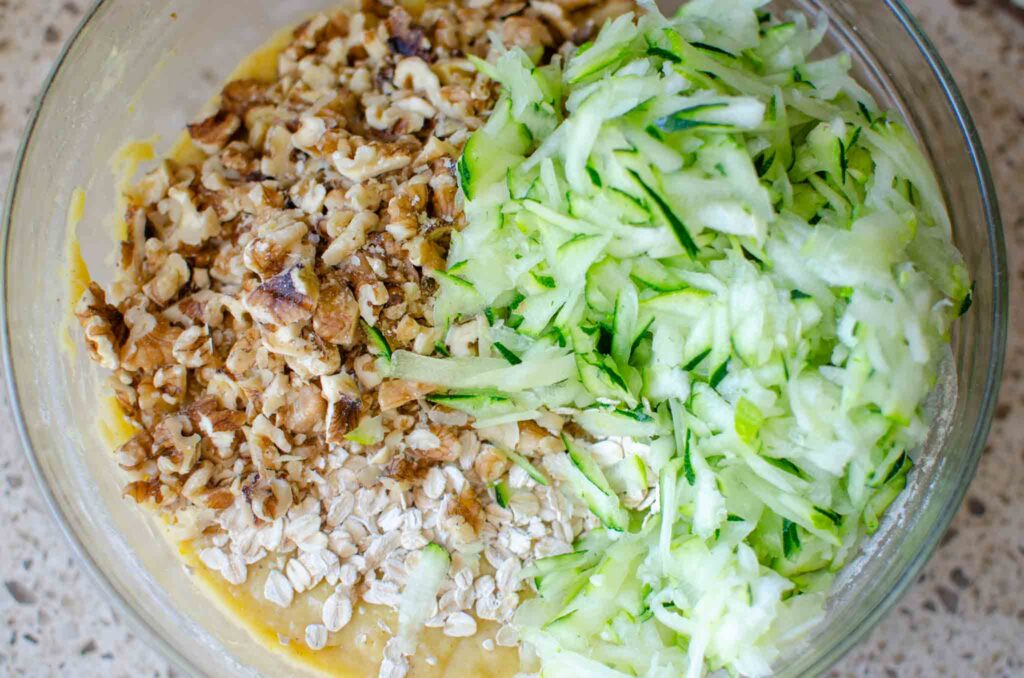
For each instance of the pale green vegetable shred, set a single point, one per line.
(698, 235)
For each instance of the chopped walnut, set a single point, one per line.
(103, 327)
(336, 319)
(415, 74)
(395, 393)
(213, 134)
(172, 275)
(466, 506)
(192, 226)
(350, 236)
(170, 383)
(136, 451)
(153, 187)
(303, 350)
(243, 352)
(145, 491)
(193, 347)
(271, 501)
(208, 308)
(555, 14)
(150, 342)
(490, 465)
(305, 409)
(406, 38)
(289, 297)
(342, 417)
(216, 422)
(178, 450)
(267, 425)
(344, 403)
(240, 96)
(366, 371)
(371, 160)
(276, 245)
(526, 32)
(278, 163)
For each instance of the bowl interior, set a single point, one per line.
(146, 67)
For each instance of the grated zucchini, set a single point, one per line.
(719, 258)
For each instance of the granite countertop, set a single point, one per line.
(963, 617)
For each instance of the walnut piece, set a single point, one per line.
(336, 319)
(240, 96)
(289, 297)
(150, 342)
(371, 160)
(213, 134)
(394, 393)
(103, 327)
(172, 275)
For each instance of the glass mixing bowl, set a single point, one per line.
(143, 67)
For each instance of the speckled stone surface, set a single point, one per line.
(965, 615)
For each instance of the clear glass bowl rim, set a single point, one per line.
(979, 435)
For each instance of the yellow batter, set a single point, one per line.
(77, 273)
